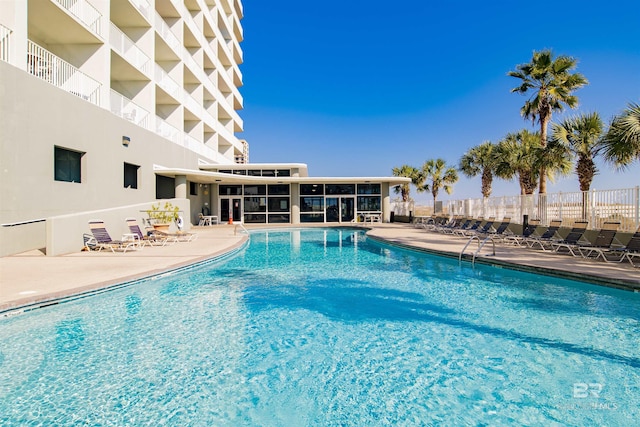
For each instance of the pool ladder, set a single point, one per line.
(235, 229)
(480, 246)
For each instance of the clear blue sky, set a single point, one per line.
(355, 88)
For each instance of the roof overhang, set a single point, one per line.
(206, 177)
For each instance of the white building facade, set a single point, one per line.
(108, 106)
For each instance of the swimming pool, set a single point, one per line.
(323, 327)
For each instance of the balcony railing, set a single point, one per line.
(596, 206)
(5, 43)
(187, 141)
(167, 83)
(128, 50)
(167, 35)
(85, 12)
(129, 110)
(144, 7)
(48, 67)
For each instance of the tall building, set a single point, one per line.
(108, 106)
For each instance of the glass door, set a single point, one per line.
(347, 209)
(332, 209)
(340, 209)
(233, 206)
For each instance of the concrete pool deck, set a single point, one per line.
(33, 279)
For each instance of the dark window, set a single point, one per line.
(131, 175)
(317, 217)
(165, 187)
(193, 188)
(283, 172)
(254, 172)
(368, 188)
(255, 190)
(224, 171)
(278, 204)
(279, 219)
(279, 190)
(255, 218)
(255, 204)
(311, 189)
(240, 172)
(268, 172)
(67, 165)
(341, 188)
(230, 190)
(368, 203)
(311, 204)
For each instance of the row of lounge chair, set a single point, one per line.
(606, 245)
(136, 239)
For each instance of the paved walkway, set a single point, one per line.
(33, 278)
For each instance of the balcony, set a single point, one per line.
(65, 22)
(129, 110)
(48, 67)
(127, 49)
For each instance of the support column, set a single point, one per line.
(181, 186)
(386, 202)
(295, 203)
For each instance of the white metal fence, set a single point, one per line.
(596, 206)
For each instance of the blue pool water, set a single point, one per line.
(323, 327)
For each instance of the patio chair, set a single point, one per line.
(462, 223)
(471, 226)
(498, 233)
(179, 236)
(547, 236)
(603, 242)
(150, 238)
(482, 229)
(100, 239)
(573, 239)
(528, 231)
(626, 252)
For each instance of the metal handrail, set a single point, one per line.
(235, 229)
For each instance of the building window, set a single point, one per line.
(255, 204)
(131, 175)
(341, 188)
(283, 172)
(255, 190)
(193, 188)
(368, 188)
(230, 190)
(311, 204)
(311, 189)
(369, 203)
(252, 172)
(279, 190)
(278, 204)
(67, 165)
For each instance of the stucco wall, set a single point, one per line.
(36, 116)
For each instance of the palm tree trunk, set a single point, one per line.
(544, 122)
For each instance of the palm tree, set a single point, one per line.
(408, 172)
(622, 141)
(480, 160)
(582, 135)
(552, 84)
(436, 175)
(517, 156)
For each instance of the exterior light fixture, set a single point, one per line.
(125, 141)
